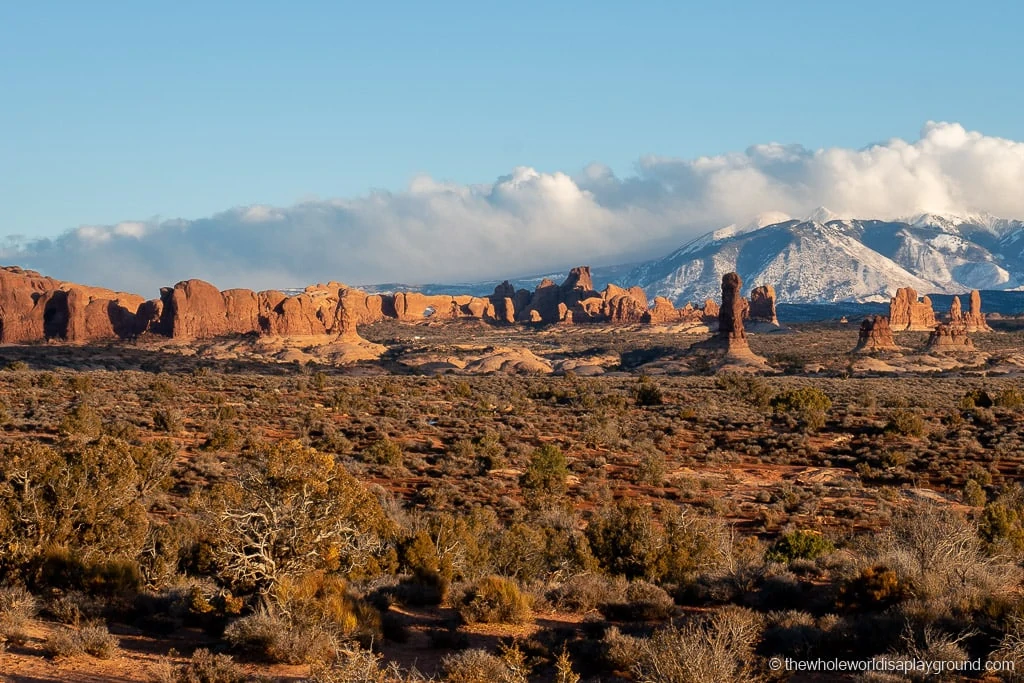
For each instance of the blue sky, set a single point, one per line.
(115, 111)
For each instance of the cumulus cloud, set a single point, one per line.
(529, 222)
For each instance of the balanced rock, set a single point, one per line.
(907, 313)
(875, 335)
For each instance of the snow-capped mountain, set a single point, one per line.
(827, 258)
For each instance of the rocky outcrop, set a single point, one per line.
(762, 305)
(662, 312)
(730, 316)
(907, 313)
(34, 308)
(875, 335)
(974, 319)
(620, 305)
(729, 347)
(952, 337)
(956, 315)
(710, 309)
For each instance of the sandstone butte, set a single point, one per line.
(875, 335)
(974, 319)
(952, 337)
(762, 305)
(907, 313)
(36, 308)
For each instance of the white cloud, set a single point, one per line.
(529, 221)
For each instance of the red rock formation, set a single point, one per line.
(762, 305)
(619, 305)
(949, 338)
(730, 316)
(875, 335)
(956, 316)
(907, 313)
(543, 305)
(34, 308)
(729, 344)
(974, 319)
(710, 308)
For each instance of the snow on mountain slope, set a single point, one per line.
(843, 260)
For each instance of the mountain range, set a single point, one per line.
(822, 258)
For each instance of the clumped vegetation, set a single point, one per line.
(505, 528)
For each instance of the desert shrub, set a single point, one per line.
(477, 666)
(304, 619)
(585, 592)
(82, 423)
(1001, 523)
(18, 608)
(625, 540)
(931, 644)
(647, 393)
(802, 544)
(716, 648)
(293, 510)
(643, 601)
(652, 468)
(357, 665)
(938, 556)
(874, 588)
(204, 667)
(92, 639)
(384, 452)
(752, 389)
(221, 438)
(271, 638)
(494, 600)
(563, 668)
(1011, 649)
(696, 545)
(809, 406)
(906, 423)
(85, 498)
(976, 398)
(973, 494)
(1010, 398)
(324, 601)
(167, 420)
(428, 585)
(546, 474)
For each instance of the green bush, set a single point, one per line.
(647, 393)
(906, 423)
(546, 475)
(807, 405)
(804, 545)
(626, 540)
(384, 452)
